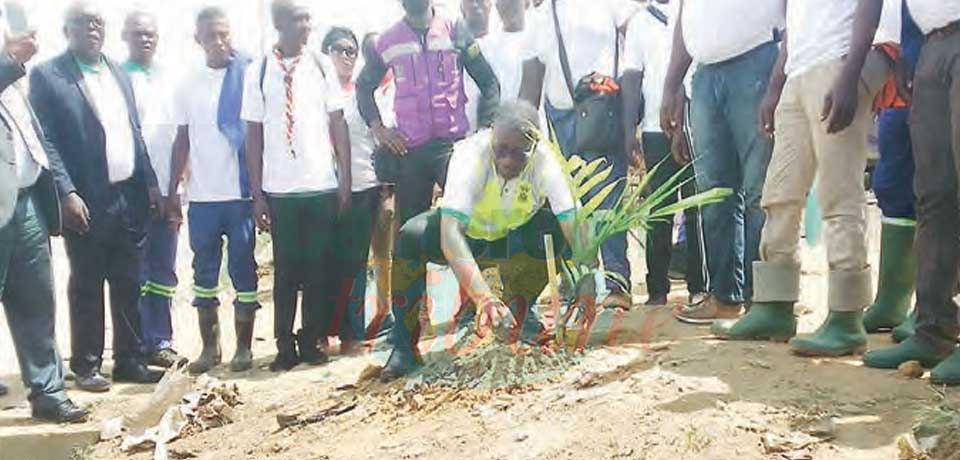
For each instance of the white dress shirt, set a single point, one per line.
(111, 107)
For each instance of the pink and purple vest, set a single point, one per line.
(430, 100)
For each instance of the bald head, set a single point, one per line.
(141, 34)
(84, 29)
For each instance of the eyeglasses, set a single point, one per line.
(90, 22)
(347, 51)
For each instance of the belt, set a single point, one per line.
(948, 29)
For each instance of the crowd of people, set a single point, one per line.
(309, 143)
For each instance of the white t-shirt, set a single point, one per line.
(818, 31)
(931, 15)
(718, 30)
(362, 145)
(505, 52)
(309, 165)
(890, 22)
(154, 92)
(647, 49)
(214, 164)
(471, 166)
(589, 29)
(111, 107)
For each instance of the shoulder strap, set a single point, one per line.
(564, 61)
(658, 14)
(319, 63)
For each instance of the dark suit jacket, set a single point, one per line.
(51, 180)
(64, 108)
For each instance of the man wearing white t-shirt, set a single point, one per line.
(822, 88)
(300, 177)
(155, 100)
(935, 130)
(734, 43)
(210, 138)
(646, 56)
(589, 31)
(505, 49)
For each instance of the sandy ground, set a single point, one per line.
(655, 389)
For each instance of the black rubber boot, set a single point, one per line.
(287, 357)
(210, 356)
(310, 351)
(405, 358)
(243, 323)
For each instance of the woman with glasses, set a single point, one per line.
(355, 229)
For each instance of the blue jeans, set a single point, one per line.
(893, 174)
(158, 278)
(614, 250)
(209, 224)
(730, 151)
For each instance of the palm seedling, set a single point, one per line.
(636, 207)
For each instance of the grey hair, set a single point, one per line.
(517, 115)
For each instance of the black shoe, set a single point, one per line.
(166, 358)
(310, 352)
(50, 410)
(93, 382)
(402, 362)
(287, 357)
(135, 372)
(3, 389)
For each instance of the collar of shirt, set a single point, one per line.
(87, 68)
(131, 66)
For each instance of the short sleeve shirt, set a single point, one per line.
(589, 29)
(472, 171)
(308, 164)
(214, 164)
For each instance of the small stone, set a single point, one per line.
(586, 380)
(824, 428)
(910, 370)
(520, 437)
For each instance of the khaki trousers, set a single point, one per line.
(803, 153)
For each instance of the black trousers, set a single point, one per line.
(347, 291)
(110, 253)
(418, 171)
(303, 235)
(935, 130)
(656, 150)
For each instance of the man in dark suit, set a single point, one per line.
(86, 106)
(30, 174)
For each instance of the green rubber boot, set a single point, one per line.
(906, 329)
(841, 334)
(772, 321)
(896, 283)
(908, 350)
(948, 371)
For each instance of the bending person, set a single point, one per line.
(494, 216)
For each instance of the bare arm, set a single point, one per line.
(179, 159)
(840, 104)
(456, 251)
(341, 148)
(671, 112)
(778, 78)
(531, 84)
